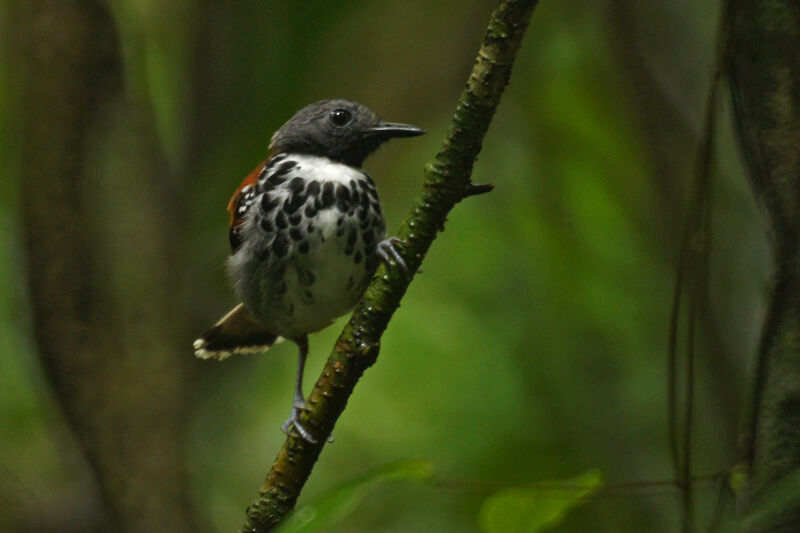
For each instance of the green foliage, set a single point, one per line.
(340, 501)
(529, 510)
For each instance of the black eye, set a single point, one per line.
(340, 117)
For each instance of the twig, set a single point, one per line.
(475, 189)
(447, 181)
(694, 265)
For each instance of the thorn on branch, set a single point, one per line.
(475, 189)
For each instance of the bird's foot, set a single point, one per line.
(294, 422)
(387, 252)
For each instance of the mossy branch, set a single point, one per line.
(447, 182)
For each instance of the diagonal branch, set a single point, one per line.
(447, 181)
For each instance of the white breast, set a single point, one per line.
(306, 259)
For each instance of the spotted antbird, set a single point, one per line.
(306, 235)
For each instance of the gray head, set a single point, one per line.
(342, 130)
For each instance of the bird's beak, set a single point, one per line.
(391, 130)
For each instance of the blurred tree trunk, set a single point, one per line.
(98, 216)
(764, 70)
(671, 141)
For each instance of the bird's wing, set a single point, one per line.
(240, 203)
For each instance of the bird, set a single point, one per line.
(306, 234)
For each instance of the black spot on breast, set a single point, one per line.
(340, 221)
(297, 185)
(362, 214)
(368, 236)
(284, 169)
(313, 188)
(296, 234)
(357, 257)
(274, 161)
(280, 246)
(348, 250)
(311, 228)
(295, 219)
(342, 198)
(369, 180)
(343, 194)
(294, 202)
(340, 231)
(327, 195)
(266, 225)
(303, 248)
(351, 237)
(275, 180)
(280, 220)
(310, 210)
(268, 203)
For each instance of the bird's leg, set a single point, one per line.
(299, 403)
(388, 253)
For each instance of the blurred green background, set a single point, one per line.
(533, 346)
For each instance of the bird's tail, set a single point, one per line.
(236, 332)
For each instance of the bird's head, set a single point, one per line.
(343, 130)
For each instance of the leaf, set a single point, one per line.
(528, 510)
(341, 501)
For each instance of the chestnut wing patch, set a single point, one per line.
(240, 203)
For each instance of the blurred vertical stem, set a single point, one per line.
(692, 277)
(97, 223)
(447, 182)
(764, 71)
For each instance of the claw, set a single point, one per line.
(387, 252)
(294, 422)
